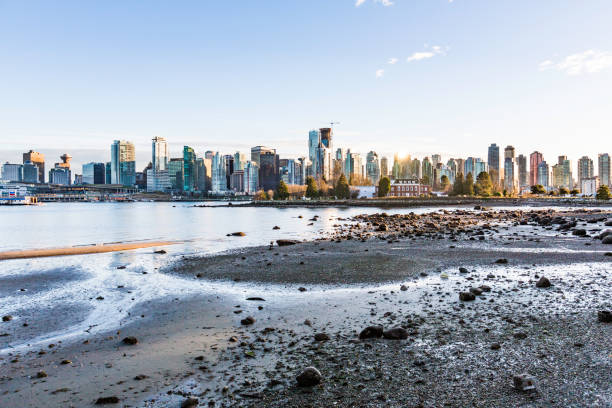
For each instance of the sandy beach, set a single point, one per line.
(310, 301)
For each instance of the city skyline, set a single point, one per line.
(207, 76)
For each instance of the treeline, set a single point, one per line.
(313, 189)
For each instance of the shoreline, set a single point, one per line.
(80, 250)
(194, 345)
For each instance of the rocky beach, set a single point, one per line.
(460, 307)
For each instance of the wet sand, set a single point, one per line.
(80, 250)
(447, 360)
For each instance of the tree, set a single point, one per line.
(458, 185)
(342, 188)
(468, 186)
(384, 186)
(575, 192)
(260, 196)
(444, 183)
(484, 186)
(538, 189)
(282, 192)
(425, 180)
(603, 193)
(311, 188)
(563, 191)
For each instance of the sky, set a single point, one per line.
(409, 76)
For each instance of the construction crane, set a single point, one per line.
(334, 123)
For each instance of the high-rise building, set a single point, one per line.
(108, 174)
(175, 173)
(585, 169)
(603, 169)
(509, 153)
(313, 143)
(522, 171)
(384, 167)
(326, 137)
(30, 172)
(372, 167)
(435, 159)
(287, 170)
(219, 177)
(493, 160)
(160, 154)
(461, 167)
(269, 170)
(251, 177)
(229, 169)
(509, 173)
(123, 163)
(39, 160)
(189, 170)
(535, 159)
(239, 161)
(94, 173)
(60, 175)
(562, 173)
(543, 174)
(12, 172)
(427, 171)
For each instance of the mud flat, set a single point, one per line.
(80, 250)
(310, 301)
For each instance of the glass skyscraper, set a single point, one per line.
(123, 163)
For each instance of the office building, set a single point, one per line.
(251, 177)
(12, 172)
(218, 173)
(239, 161)
(589, 186)
(523, 180)
(562, 173)
(160, 155)
(427, 172)
(509, 174)
(123, 163)
(372, 167)
(543, 175)
(585, 169)
(603, 169)
(384, 167)
(493, 160)
(269, 170)
(175, 173)
(37, 159)
(30, 172)
(189, 170)
(535, 159)
(108, 173)
(60, 175)
(94, 173)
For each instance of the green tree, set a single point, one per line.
(425, 180)
(282, 192)
(342, 188)
(563, 191)
(575, 192)
(468, 186)
(538, 189)
(384, 186)
(458, 185)
(444, 183)
(312, 191)
(484, 186)
(603, 193)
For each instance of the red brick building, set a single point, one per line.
(407, 188)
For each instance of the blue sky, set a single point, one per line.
(413, 76)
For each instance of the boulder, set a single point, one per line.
(543, 283)
(396, 333)
(466, 296)
(190, 403)
(130, 340)
(604, 316)
(107, 400)
(523, 382)
(371, 332)
(579, 232)
(607, 240)
(321, 337)
(238, 234)
(7, 318)
(501, 261)
(247, 321)
(476, 291)
(463, 270)
(286, 242)
(309, 377)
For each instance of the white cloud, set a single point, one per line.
(587, 62)
(393, 61)
(380, 73)
(385, 3)
(417, 56)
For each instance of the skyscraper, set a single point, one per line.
(93, 173)
(313, 142)
(585, 169)
(509, 152)
(39, 160)
(427, 171)
(384, 167)
(535, 159)
(189, 170)
(372, 167)
(269, 176)
(30, 172)
(522, 171)
(435, 159)
(251, 177)
(326, 137)
(543, 174)
(160, 154)
(493, 159)
(123, 163)
(175, 173)
(562, 173)
(603, 169)
(509, 173)
(219, 179)
(239, 161)
(12, 172)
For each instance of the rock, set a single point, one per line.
(130, 340)
(321, 337)
(403, 288)
(140, 377)
(382, 227)
(604, 233)
(495, 346)
(501, 261)
(41, 374)
(523, 382)
(276, 227)
(238, 234)
(604, 316)
(7, 318)
(286, 242)
(485, 288)
(233, 339)
(579, 232)
(121, 267)
(608, 223)
(543, 283)
(476, 291)
(161, 252)
(302, 289)
(371, 332)
(247, 321)
(309, 377)
(190, 403)
(307, 322)
(396, 333)
(463, 270)
(607, 240)
(520, 335)
(256, 299)
(107, 400)
(466, 296)
(66, 362)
